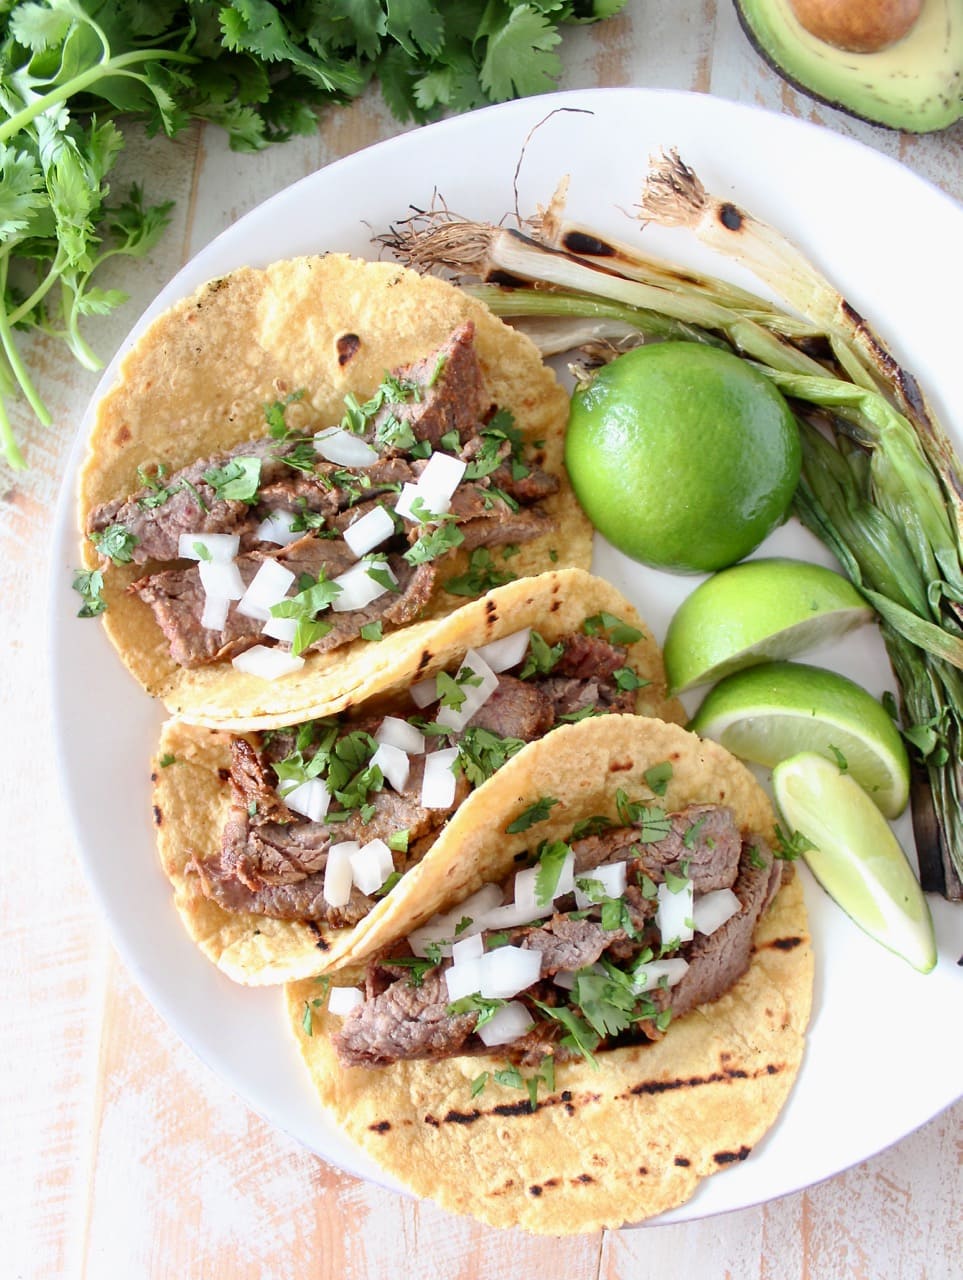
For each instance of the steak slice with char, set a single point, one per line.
(404, 1021)
(450, 394)
(517, 709)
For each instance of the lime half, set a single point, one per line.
(756, 611)
(768, 713)
(856, 857)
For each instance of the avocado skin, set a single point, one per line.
(915, 86)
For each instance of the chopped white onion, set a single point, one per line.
(310, 799)
(393, 763)
(358, 587)
(438, 932)
(470, 948)
(337, 873)
(464, 979)
(673, 915)
(424, 692)
(393, 732)
(508, 970)
(512, 915)
(343, 999)
(268, 587)
(480, 902)
(219, 546)
(283, 629)
(368, 532)
(268, 663)
(611, 875)
(276, 528)
(712, 910)
(371, 865)
(645, 977)
(221, 579)
(442, 472)
(476, 695)
(409, 492)
(503, 654)
(508, 1023)
(344, 448)
(214, 616)
(525, 891)
(438, 783)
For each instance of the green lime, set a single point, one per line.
(770, 712)
(684, 456)
(755, 611)
(855, 856)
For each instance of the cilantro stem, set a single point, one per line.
(19, 370)
(108, 66)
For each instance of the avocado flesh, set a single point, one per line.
(915, 85)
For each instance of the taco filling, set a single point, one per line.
(327, 815)
(304, 542)
(597, 942)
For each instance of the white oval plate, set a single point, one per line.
(883, 1052)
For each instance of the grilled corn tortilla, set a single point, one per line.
(197, 383)
(192, 796)
(604, 1147)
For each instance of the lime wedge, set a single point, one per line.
(856, 857)
(770, 712)
(756, 611)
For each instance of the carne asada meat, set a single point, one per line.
(272, 860)
(437, 403)
(606, 1006)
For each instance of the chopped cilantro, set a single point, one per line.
(450, 441)
(628, 679)
(304, 520)
(479, 1083)
(394, 433)
(486, 1007)
(583, 713)
(648, 887)
(617, 631)
(464, 923)
(307, 1024)
(435, 542)
(301, 456)
(591, 826)
(580, 1035)
(607, 1000)
(510, 1077)
(420, 450)
(305, 607)
(480, 577)
(675, 883)
(692, 835)
(537, 812)
(274, 414)
(167, 759)
(377, 570)
(203, 551)
(541, 657)
(116, 542)
(550, 862)
(659, 776)
(438, 369)
(418, 966)
(755, 858)
(593, 889)
(791, 845)
(237, 480)
(398, 841)
(89, 583)
(493, 940)
(481, 753)
(510, 550)
(373, 631)
(553, 555)
(388, 885)
(841, 762)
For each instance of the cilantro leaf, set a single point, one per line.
(658, 777)
(237, 480)
(116, 542)
(550, 862)
(537, 812)
(541, 657)
(89, 584)
(481, 576)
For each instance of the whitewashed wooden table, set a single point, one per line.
(120, 1154)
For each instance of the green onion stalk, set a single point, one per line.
(880, 482)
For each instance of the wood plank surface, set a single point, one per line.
(122, 1155)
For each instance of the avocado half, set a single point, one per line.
(915, 85)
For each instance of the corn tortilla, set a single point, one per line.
(192, 796)
(197, 382)
(634, 1138)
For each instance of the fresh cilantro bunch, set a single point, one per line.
(71, 69)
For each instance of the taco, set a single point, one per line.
(297, 464)
(288, 848)
(610, 1006)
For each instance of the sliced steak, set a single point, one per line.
(517, 709)
(449, 392)
(567, 944)
(718, 960)
(405, 1021)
